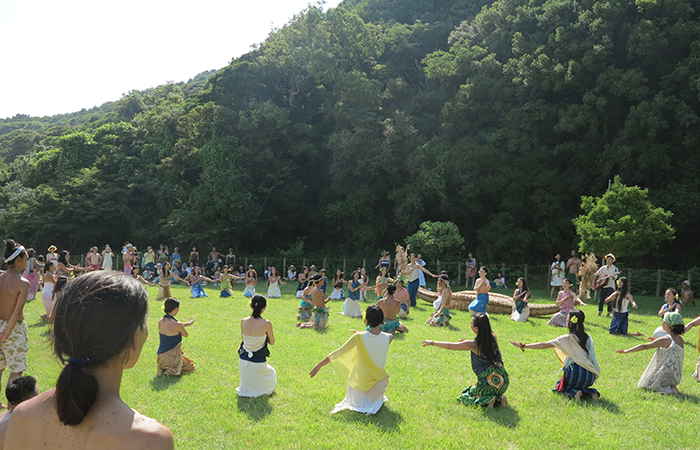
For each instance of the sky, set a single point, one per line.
(62, 56)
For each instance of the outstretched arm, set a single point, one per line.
(693, 323)
(462, 345)
(657, 343)
(537, 346)
(318, 366)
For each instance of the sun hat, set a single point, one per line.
(610, 255)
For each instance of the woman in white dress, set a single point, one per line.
(338, 282)
(257, 377)
(47, 291)
(521, 302)
(273, 284)
(360, 364)
(664, 372)
(557, 274)
(107, 256)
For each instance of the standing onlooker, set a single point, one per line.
(14, 337)
(149, 259)
(412, 271)
(162, 256)
(421, 275)
(230, 258)
(557, 274)
(175, 256)
(470, 274)
(573, 266)
(93, 259)
(609, 273)
(31, 273)
(194, 256)
(107, 258)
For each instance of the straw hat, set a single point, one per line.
(52, 248)
(610, 255)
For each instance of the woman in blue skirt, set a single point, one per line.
(621, 299)
(577, 356)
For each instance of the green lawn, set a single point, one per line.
(204, 412)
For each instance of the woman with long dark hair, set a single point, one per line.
(577, 356)
(487, 364)
(621, 300)
(257, 377)
(521, 304)
(99, 331)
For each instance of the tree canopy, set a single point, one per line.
(349, 128)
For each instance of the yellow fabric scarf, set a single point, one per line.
(354, 366)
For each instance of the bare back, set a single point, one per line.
(110, 424)
(390, 306)
(13, 293)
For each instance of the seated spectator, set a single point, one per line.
(18, 390)
(500, 281)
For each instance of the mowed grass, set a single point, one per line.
(204, 412)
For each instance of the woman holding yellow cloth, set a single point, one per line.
(360, 364)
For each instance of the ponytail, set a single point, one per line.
(76, 392)
(258, 303)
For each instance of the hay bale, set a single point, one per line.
(498, 303)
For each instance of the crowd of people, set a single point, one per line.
(94, 352)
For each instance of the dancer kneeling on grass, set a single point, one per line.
(566, 301)
(360, 364)
(621, 299)
(482, 288)
(487, 364)
(256, 375)
(521, 306)
(195, 279)
(577, 356)
(441, 317)
(402, 296)
(171, 359)
(99, 330)
(351, 306)
(391, 307)
(665, 370)
(320, 312)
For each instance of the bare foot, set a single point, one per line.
(504, 401)
(298, 325)
(599, 314)
(578, 396)
(491, 403)
(638, 333)
(595, 397)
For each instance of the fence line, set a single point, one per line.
(645, 281)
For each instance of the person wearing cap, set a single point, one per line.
(664, 372)
(610, 273)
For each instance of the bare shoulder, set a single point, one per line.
(147, 433)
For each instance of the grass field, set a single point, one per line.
(204, 412)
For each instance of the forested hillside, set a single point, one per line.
(351, 127)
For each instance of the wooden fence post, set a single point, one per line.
(459, 273)
(364, 263)
(629, 278)
(284, 267)
(265, 263)
(344, 269)
(524, 272)
(658, 282)
(546, 276)
(304, 263)
(503, 269)
(325, 266)
(246, 263)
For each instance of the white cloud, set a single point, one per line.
(60, 57)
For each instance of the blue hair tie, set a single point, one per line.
(78, 361)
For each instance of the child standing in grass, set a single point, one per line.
(664, 372)
(688, 327)
(487, 364)
(577, 356)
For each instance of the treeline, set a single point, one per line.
(345, 130)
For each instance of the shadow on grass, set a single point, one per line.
(385, 419)
(164, 382)
(687, 398)
(255, 408)
(507, 417)
(39, 324)
(605, 404)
